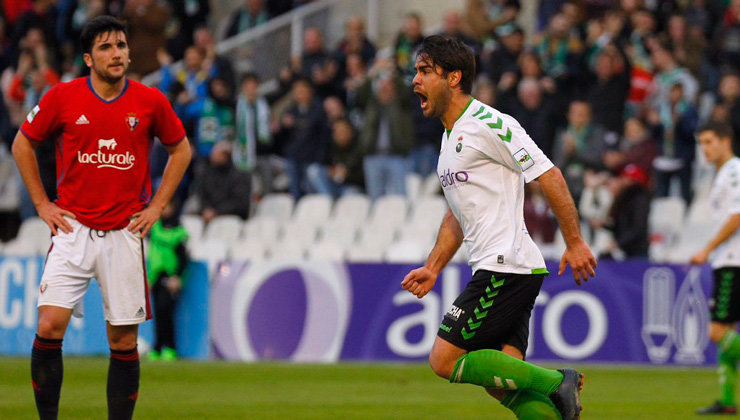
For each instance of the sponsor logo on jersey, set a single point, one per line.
(82, 120)
(103, 158)
(450, 179)
(455, 313)
(524, 159)
(32, 114)
(132, 121)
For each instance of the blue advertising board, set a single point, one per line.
(19, 288)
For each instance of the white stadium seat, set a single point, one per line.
(326, 251)
(250, 250)
(413, 186)
(313, 209)
(359, 253)
(212, 251)
(666, 214)
(405, 252)
(352, 208)
(35, 232)
(193, 224)
(287, 250)
(278, 206)
(224, 228)
(20, 248)
(342, 233)
(389, 210)
(263, 229)
(376, 236)
(425, 235)
(692, 238)
(428, 211)
(295, 231)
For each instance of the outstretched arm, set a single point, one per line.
(28, 166)
(725, 232)
(176, 165)
(577, 253)
(421, 280)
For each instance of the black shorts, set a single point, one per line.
(493, 310)
(725, 304)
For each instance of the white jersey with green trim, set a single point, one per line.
(483, 164)
(725, 201)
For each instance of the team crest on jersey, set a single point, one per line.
(459, 146)
(132, 121)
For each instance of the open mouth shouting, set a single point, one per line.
(423, 100)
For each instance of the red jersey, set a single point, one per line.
(102, 147)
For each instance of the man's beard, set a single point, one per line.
(107, 77)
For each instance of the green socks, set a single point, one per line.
(495, 369)
(727, 370)
(531, 405)
(730, 344)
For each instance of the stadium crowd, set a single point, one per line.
(611, 91)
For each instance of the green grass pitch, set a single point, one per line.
(223, 390)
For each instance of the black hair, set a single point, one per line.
(722, 129)
(450, 54)
(97, 26)
(250, 75)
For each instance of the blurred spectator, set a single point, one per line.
(41, 15)
(343, 173)
(69, 26)
(407, 41)
(33, 78)
(334, 109)
(314, 64)
(9, 193)
(452, 27)
(387, 135)
(579, 147)
(636, 48)
(254, 150)
(687, 43)
(729, 97)
(251, 14)
(596, 200)
(483, 17)
(166, 264)
(637, 147)
(628, 216)
(193, 76)
(504, 59)
(608, 94)
(147, 20)
(668, 74)
(427, 136)
(485, 91)
(213, 116)
(216, 64)
(187, 17)
(559, 50)
(5, 46)
(354, 78)
(221, 188)
(538, 216)
(533, 110)
(676, 122)
(12, 9)
(354, 42)
(727, 37)
(304, 130)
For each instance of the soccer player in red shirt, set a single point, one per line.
(104, 126)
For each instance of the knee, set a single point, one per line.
(48, 328)
(124, 341)
(441, 366)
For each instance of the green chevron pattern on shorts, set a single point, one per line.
(725, 292)
(484, 302)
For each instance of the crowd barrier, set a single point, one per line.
(310, 311)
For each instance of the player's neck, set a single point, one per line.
(105, 90)
(457, 106)
(722, 160)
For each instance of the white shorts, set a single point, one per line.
(115, 258)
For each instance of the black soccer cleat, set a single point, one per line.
(718, 408)
(567, 398)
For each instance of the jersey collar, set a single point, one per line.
(89, 85)
(461, 114)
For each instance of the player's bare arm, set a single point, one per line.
(25, 158)
(421, 280)
(726, 231)
(177, 164)
(577, 253)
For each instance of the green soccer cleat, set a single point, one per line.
(168, 354)
(153, 356)
(718, 408)
(567, 398)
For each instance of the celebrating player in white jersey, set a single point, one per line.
(715, 140)
(485, 159)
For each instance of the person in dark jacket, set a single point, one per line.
(628, 216)
(304, 130)
(343, 172)
(221, 187)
